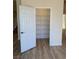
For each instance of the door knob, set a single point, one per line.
(22, 32)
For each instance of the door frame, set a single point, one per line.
(50, 17)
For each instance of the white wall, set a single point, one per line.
(64, 22)
(56, 22)
(18, 23)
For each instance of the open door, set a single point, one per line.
(27, 27)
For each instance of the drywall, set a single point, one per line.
(64, 22)
(56, 18)
(18, 2)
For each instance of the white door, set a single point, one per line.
(27, 27)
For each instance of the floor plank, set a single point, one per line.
(44, 51)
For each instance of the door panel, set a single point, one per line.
(27, 27)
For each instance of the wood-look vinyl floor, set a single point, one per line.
(44, 51)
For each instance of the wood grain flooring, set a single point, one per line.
(44, 51)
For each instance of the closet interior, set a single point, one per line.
(42, 23)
